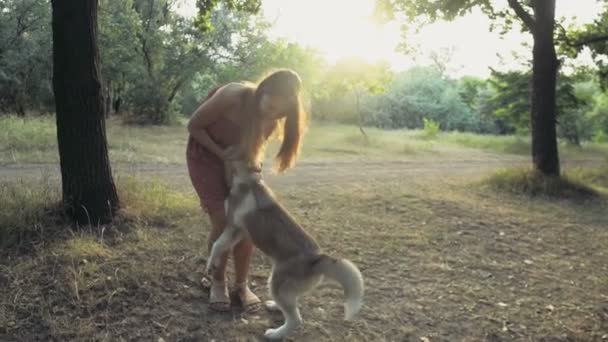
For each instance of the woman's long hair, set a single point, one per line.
(290, 128)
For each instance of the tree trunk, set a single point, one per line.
(89, 193)
(544, 73)
(108, 100)
(360, 115)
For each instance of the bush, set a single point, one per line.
(150, 105)
(423, 93)
(431, 128)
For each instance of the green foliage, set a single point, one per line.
(419, 93)
(205, 8)
(345, 86)
(150, 55)
(431, 128)
(510, 99)
(576, 96)
(574, 99)
(573, 40)
(157, 66)
(469, 89)
(600, 137)
(25, 56)
(598, 116)
(420, 12)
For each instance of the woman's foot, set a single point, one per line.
(219, 299)
(249, 301)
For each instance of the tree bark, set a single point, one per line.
(89, 193)
(544, 73)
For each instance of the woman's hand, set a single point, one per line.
(228, 155)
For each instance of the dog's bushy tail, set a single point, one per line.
(347, 274)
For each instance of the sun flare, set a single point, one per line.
(344, 28)
(338, 28)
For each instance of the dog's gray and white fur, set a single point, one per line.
(298, 264)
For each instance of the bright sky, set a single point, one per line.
(341, 28)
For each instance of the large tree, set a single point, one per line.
(538, 18)
(89, 194)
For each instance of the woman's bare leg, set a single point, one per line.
(242, 252)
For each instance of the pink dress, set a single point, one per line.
(206, 169)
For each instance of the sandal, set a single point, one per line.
(250, 302)
(219, 299)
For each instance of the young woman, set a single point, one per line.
(247, 115)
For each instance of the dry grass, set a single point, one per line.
(525, 181)
(445, 256)
(443, 259)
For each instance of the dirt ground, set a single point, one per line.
(444, 258)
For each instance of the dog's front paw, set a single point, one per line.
(274, 334)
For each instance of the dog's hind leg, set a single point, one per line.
(230, 237)
(284, 290)
(287, 302)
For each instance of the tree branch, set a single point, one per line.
(523, 15)
(589, 40)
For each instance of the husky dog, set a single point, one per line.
(298, 263)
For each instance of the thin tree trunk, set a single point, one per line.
(360, 115)
(89, 193)
(544, 72)
(108, 108)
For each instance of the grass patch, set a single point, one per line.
(33, 140)
(331, 140)
(29, 214)
(532, 183)
(499, 144)
(85, 246)
(147, 144)
(79, 281)
(595, 176)
(154, 203)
